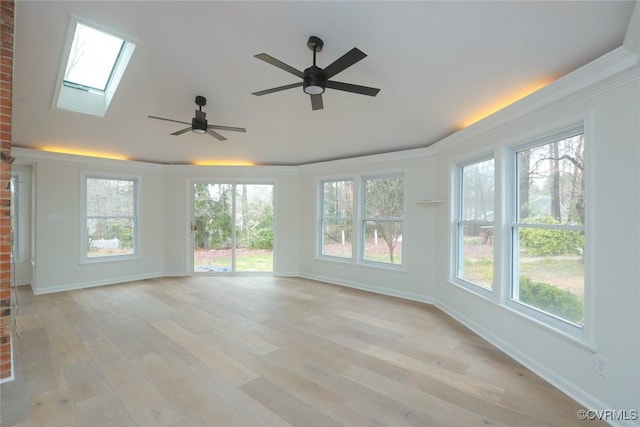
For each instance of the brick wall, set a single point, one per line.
(6, 93)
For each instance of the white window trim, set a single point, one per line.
(459, 222)
(505, 209)
(84, 259)
(362, 220)
(557, 323)
(18, 234)
(359, 220)
(320, 223)
(93, 102)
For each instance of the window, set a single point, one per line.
(91, 69)
(547, 230)
(92, 58)
(110, 216)
(475, 223)
(336, 220)
(16, 220)
(370, 234)
(382, 219)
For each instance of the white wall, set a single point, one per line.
(57, 222)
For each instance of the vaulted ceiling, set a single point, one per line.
(440, 66)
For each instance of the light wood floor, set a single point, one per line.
(260, 351)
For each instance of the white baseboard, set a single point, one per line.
(41, 290)
(384, 291)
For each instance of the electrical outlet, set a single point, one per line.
(601, 365)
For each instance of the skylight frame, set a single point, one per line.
(81, 83)
(85, 99)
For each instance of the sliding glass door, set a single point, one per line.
(232, 227)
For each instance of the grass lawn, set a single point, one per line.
(246, 260)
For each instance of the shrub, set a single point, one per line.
(541, 242)
(551, 299)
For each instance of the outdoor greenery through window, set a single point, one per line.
(382, 220)
(336, 222)
(232, 227)
(475, 254)
(548, 232)
(111, 216)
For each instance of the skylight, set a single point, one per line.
(93, 64)
(92, 58)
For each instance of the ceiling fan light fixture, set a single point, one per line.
(194, 130)
(313, 90)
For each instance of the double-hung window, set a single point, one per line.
(110, 217)
(361, 219)
(382, 219)
(336, 220)
(475, 223)
(540, 259)
(547, 231)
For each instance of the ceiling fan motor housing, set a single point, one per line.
(199, 123)
(314, 80)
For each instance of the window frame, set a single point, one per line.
(459, 223)
(83, 99)
(514, 225)
(322, 218)
(136, 180)
(358, 220)
(18, 226)
(506, 208)
(363, 219)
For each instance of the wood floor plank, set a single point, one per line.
(261, 351)
(104, 410)
(441, 410)
(54, 408)
(478, 388)
(287, 406)
(214, 358)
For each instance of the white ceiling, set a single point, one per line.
(438, 65)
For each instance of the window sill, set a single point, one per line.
(100, 260)
(576, 340)
(375, 265)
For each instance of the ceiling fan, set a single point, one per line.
(199, 123)
(315, 79)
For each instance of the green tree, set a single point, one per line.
(384, 206)
(212, 221)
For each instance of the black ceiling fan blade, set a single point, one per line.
(168, 120)
(277, 89)
(316, 102)
(345, 61)
(227, 128)
(348, 87)
(216, 135)
(180, 132)
(277, 63)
